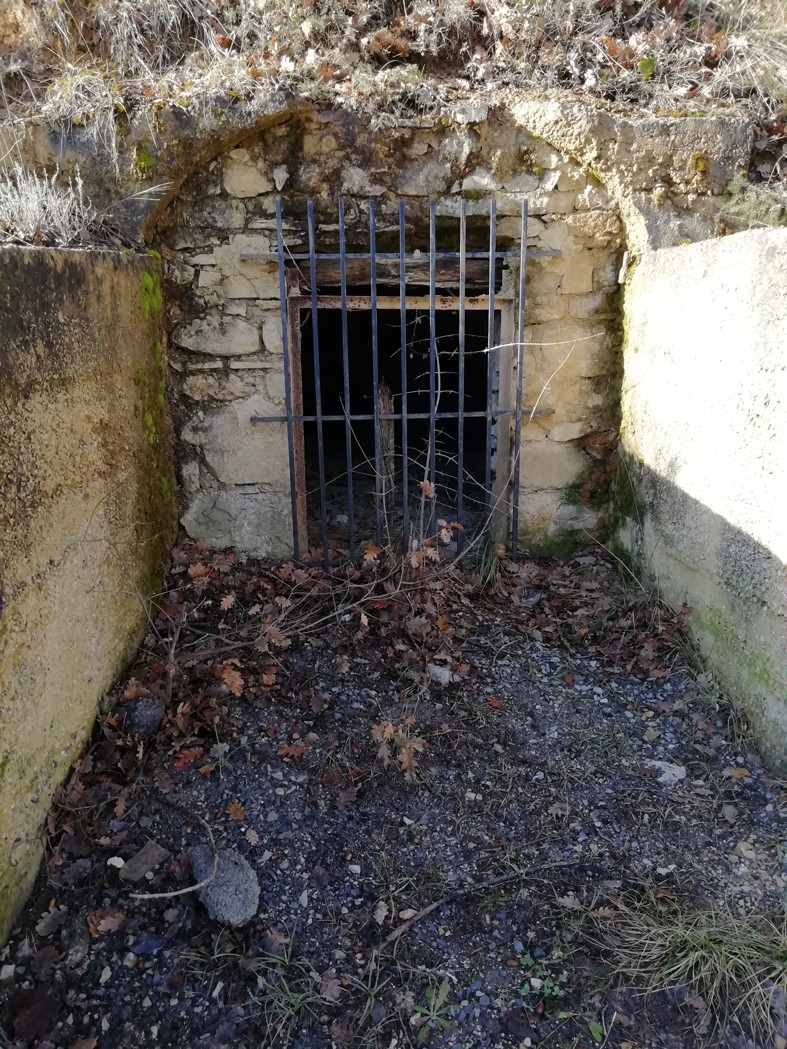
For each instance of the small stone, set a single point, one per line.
(142, 716)
(106, 974)
(7, 973)
(141, 863)
(233, 896)
(354, 868)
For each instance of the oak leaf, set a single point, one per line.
(186, 757)
(231, 676)
(292, 750)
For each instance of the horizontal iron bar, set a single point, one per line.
(392, 302)
(510, 413)
(411, 256)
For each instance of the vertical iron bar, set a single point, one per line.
(432, 358)
(491, 355)
(520, 363)
(348, 432)
(285, 339)
(378, 465)
(317, 384)
(460, 456)
(403, 340)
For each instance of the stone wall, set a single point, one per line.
(226, 337)
(86, 513)
(704, 446)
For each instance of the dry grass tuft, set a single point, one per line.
(35, 209)
(738, 965)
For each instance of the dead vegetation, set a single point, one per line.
(729, 962)
(98, 65)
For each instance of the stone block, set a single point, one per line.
(218, 335)
(424, 179)
(241, 452)
(271, 334)
(209, 277)
(571, 178)
(578, 278)
(526, 182)
(356, 182)
(583, 306)
(257, 522)
(218, 386)
(457, 146)
(242, 177)
(597, 229)
(551, 464)
(217, 215)
(481, 179)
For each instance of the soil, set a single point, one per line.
(512, 758)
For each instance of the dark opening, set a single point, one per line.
(362, 402)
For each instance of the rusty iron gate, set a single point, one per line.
(499, 418)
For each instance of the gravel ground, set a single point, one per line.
(513, 761)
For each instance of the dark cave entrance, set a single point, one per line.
(376, 466)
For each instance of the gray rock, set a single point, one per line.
(142, 715)
(233, 896)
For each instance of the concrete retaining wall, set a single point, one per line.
(86, 514)
(704, 443)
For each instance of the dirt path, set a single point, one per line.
(532, 767)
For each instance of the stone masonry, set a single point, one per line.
(226, 349)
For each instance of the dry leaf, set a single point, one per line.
(106, 920)
(371, 553)
(346, 798)
(227, 602)
(187, 756)
(427, 488)
(330, 987)
(494, 702)
(292, 750)
(231, 676)
(252, 837)
(737, 772)
(235, 810)
(409, 753)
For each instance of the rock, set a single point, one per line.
(241, 452)
(149, 856)
(517, 1024)
(668, 775)
(242, 178)
(233, 896)
(142, 715)
(218, 336)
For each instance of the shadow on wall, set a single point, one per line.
(736, 587)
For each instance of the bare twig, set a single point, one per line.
(189, 888)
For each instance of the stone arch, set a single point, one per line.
(594, 194)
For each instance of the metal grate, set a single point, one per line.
(501, 414)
